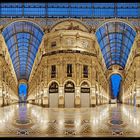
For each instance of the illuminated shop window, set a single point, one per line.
(53, 88)
(85, 88)
(69, 87)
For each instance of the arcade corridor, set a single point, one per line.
(69, 69)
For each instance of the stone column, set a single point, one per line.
(134, 97)
(138, 85)
(77, 96)
(96, 88)
(77, 87)
(108, 92)
(99, 97)
(93, 96)
(46, 90)
(1, 85)
(138, 96)
(45, 97)
(61, 97)
(8, 94)
(131, 98)
(37, 96)
(42, 94)
(61, 101)
(5, 89)
(102, 99)
(4, 94)
(1, 71)
(36, 92)
(137, 72)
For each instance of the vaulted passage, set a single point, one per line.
(22, 89)
(115, 81)
(22, 39)
(115, 40)
(68, 69)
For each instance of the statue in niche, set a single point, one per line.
(92, 30)
(70, 27)
(84, 44)
(47, 29)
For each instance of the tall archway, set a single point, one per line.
(23, 39)
(53, 95)
(22, 90)
(115, 87)
(85, 94)
(69, 90)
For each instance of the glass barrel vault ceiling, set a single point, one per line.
(22, 39)
(74, 10)
(115, 40)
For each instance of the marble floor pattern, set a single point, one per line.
(111, 120)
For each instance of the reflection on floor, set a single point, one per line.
(35, 121)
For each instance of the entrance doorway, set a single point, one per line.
(69, 90)
(53, 95)
(85, 95)
(22, 90)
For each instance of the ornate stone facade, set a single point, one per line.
(8, 81)
(73, 42)
(75, 45)
(132, 76)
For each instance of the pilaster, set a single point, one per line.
(77, 96)
(93, 96)
(61, 97)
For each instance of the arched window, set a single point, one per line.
(53, 88)
(69, 87)
(85, 88)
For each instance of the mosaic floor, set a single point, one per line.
(112, 120)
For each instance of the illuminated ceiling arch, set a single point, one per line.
(23, 39)
(115, 40)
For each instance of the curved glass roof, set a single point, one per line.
(22, 39)
(73, 10)
(115, 40)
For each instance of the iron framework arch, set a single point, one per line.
(23, 39)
